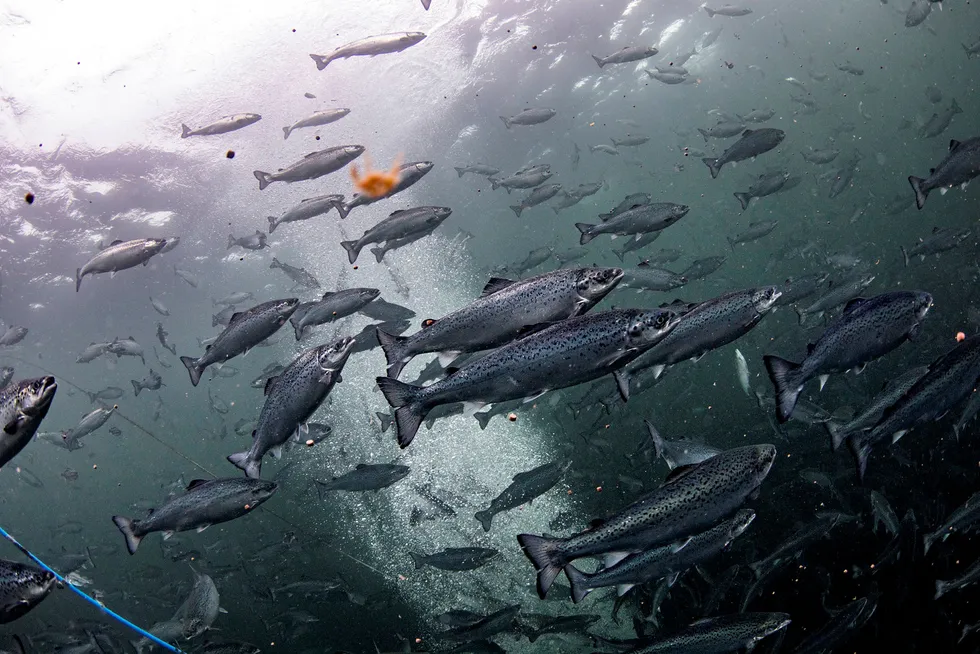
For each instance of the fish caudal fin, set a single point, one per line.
(506, 124)
(743, 199)
(264, 179)
(599, 61)
(586, 234)
(517, 209)
(395, 349)
(353, 249)
(185, 131)
(836, 432)
(193, 369)
(485, 518)
(783, 375)
(905, 255)
(272, 224)
(285, 132)
(253, 469)
(379, 254)
(321, 61)
(711, 12)
(483, 418)
(136, 388)
(78, 279)
(861, 451)
(578, 582)
(547, 561)
(126, 526)
(418, 560)
(713, 166)
(920, 193)
(409, 410)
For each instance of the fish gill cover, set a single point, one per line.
(760, 176)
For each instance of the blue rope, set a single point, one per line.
(94, 602)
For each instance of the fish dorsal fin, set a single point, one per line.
(809, 348)
(496, 284)
(395, 213)
(644, 264)
(312, 154)
(131, 338)
(269, 383)
(235, 316)
(932, 171)
(747, 132)
(854, 304)
(530, 329)
(935, 229)
(596, 523)
(119, 240)
(258, 233)
(953, 144)
(678, 473)
(326, 295)
(195, 483)
(451, 370)
(428, 322)
(360, 466)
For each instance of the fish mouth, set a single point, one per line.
(46, 393)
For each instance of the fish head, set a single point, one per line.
(764, 298)
(353, 151)
(285, 308)
(411, 38)
(443, 212)
(763, 456)
(334, 356)
(773, 623)
(368, 294)
(30, 585)
(422, 167)
(34, 396)
(678, 211)
(260, 491)
(152, 246)
(595, 283)
(741, 522)
(923, 302)
(651, 326)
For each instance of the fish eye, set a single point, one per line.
(660, 321)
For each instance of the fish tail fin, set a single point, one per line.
(275, 263)
(802, 315)
(711, 12)
(583, 229)
(579, 583)
(192, 368)
(927, 542)
(704, 134)
(353, 249)
(955, 108)
(379, 254)
(836, 432)
(544, 554)
(483, 418)
(941, 587)
(658, 441)
(619, 254)
(743, 199)
(264, 178)
(506, 122)
(285, 132)
(861, 451)
(920, 193)
(231, 241)
(599, 61)
(127, 527)
(485, 518)
(905, 255)
(756, 569)
(395, 349)
(78, 279)
(517, 209)
(783, 375)
(253, 469)
(418, 560)
(185, 131)
(320, 60)
(343, 209)
(409, 411)
(713, 166)
(494, 184)
(136, 387)
(459, 171)
(386, 420)
(272, 224)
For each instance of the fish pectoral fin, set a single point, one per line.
(679, 545)
(202, 528)
(167, 535)
(11, 427)
(531, 398)
(222, 610)
(276, 452)
(609, 559)
(823, 380)
(328, 376)
(447, 357)
(622, 378)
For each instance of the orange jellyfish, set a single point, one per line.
(376, 183)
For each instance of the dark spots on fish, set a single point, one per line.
(29, 198)
(230, 154)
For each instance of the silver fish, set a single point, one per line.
(370, 47)
(316, 119)
(314, 165)
(120, 255)
(221, 126)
